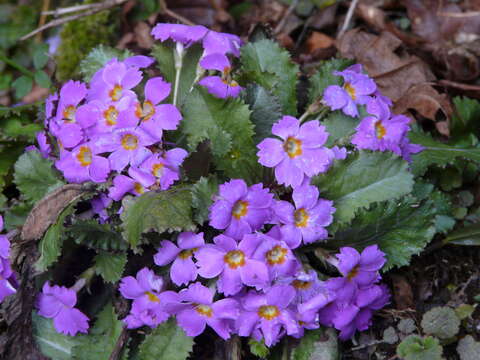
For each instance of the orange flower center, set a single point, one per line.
(148, 110)
(116, 92)
(157, 169)
(240, 209)
(111, 115)
(234, 259)
(380, 130)
(268, 312)
(138, 188)
(84, 156)
(353, 273)
(152, 297)
(301, 217)
(277, 255)
(69, 113)
(129, 142)
(293, 147)
(350, 90)
(301, 285)
(204, 310)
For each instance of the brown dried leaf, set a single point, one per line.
(46, 211)
(142, 35)
(402, 292)
(318, 40)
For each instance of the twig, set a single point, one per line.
(43, 18)
(117, 350)
(460, 15)
(285, 16)
(70, 9)
(348, 18)
(459, 85)
(174, 15)
(104, 5)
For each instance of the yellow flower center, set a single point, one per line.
(234, 259)
(152, 297)
(84, 156)
(353, 273)
(380, 130)
(277, 255)
(293, 147)
(129, 142)
(240, 209)
(268, 312)
(301, 217)
(157, 169)
(301, 285)
(110, 115)
(138, 188)
(350, 90)
(185, 254)
(204, 310)
(116, 93)
(69, 113)
(148, 110)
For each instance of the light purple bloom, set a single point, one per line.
(50, 106)
(357, 89)
(110, 115)
(178, 32)
(7, 278)
(240, 209)
(183, 269)
(139, 61)
(221, 43)
(233, 262)
(269, 313)
(221, 88)
(307, 220)
(306, 284)
(408, 149)
(300, 153)
(58, 302)
(43, 145)
(83, 164)
(217, 62)
(196, 309)
(99, 206)
(136, 184)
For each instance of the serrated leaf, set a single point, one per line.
(468, 348)
(467, 111)
(42, 79)
(97, 236)
(324, 77)
(110, 266)
(166, 342)
(40, 56)
(52, 344)
(226, 125)
(35, 176)
(266, 110)
(202, 197)
(362, 179)
(316, 344)
(22, 86)
(163, 53)
(441, 321)
(468, 235)
(98, 57)
(258, 348)
(401, 229)
(339, 126)
(13, 127)
(264, 62)
(160, 211)
(101, 340)
(414, 347)
(438, 153)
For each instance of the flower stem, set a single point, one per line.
(178, 53)
(176, 85)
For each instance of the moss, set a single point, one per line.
(80, 36)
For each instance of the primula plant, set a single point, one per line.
(189, 192)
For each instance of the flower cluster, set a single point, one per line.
(216, 47)
(8, 282)
(380, 130)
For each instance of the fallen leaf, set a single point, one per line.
(142, 35)
(318, 40)
(402, 292)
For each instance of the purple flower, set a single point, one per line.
(221, 88)
(139, 61)
(233, 262)
(58, 302)
(356, 89)
(408, 149)
(240, 209)
(83, 164)
(136, 184)
(7, 278)
(50, 106)
(307, 220)
(177, 32)
(221, 43)
(43, 145)
(183, 269)
(99, 206)
(306, 284)
(269, 313)
(300, 153)
(110, 115)
(196, 309)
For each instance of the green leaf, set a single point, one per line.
(98, 57)
(468, 348)
(163, 53)
(5, 81)
(467, 111)
(226, 125)
(324, 77)
(50, 247)
(22, 86)
(13, 127)
(40, 56)
(160, 211)
(202, 197)
(265, 63)
(110, 266)
(442, 322)
(35, 176)
(101, 340)
(362, 179)
(42, 79)
(258, 348)
(166, 342)
(414, 347)
(266, 110)
(316, 344)
(401, 229)
(438, 153)
(52, 344)
(468, 235)
(339, 126)
(97, 236)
